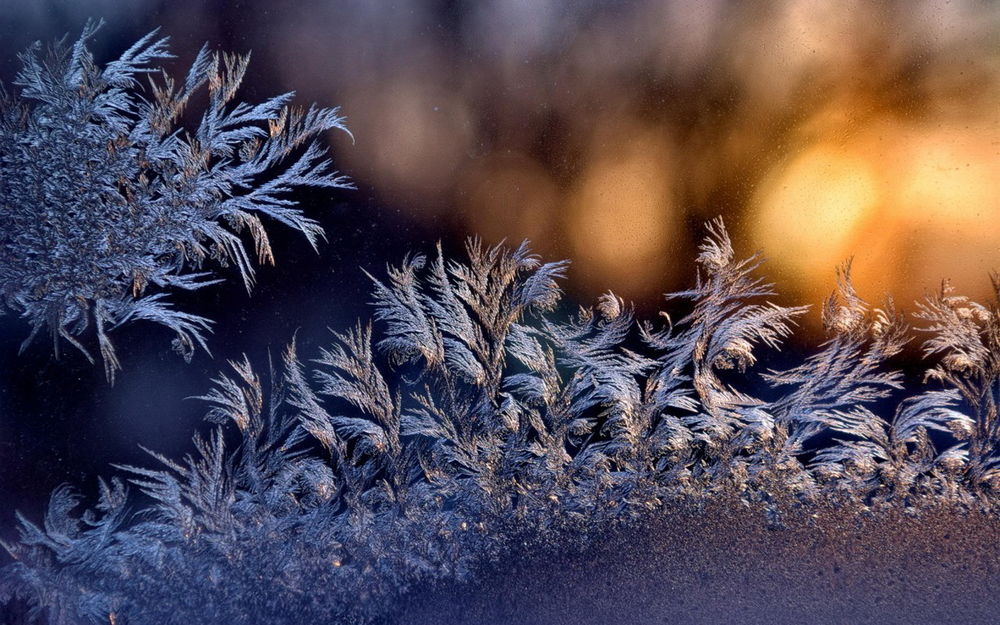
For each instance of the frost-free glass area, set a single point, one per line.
(412, 416)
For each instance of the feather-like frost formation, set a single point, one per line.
(478, 417)
(109, 202)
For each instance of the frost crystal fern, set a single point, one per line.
(476, 419)
(107, 201)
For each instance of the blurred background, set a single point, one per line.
(604, 131)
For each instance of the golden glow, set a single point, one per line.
(944, 213)
(622, 213)
(819, 131)
(952, 176)
(810, 211)
(912, 204)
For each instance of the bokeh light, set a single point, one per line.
(607, 132)
(620, 214)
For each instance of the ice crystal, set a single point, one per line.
(479, 414)
(109, 202)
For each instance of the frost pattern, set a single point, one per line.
(109, 201)
(478, 417)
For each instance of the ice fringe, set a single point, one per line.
(109, 202)
(478, 415)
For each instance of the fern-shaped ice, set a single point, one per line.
(109, 202)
